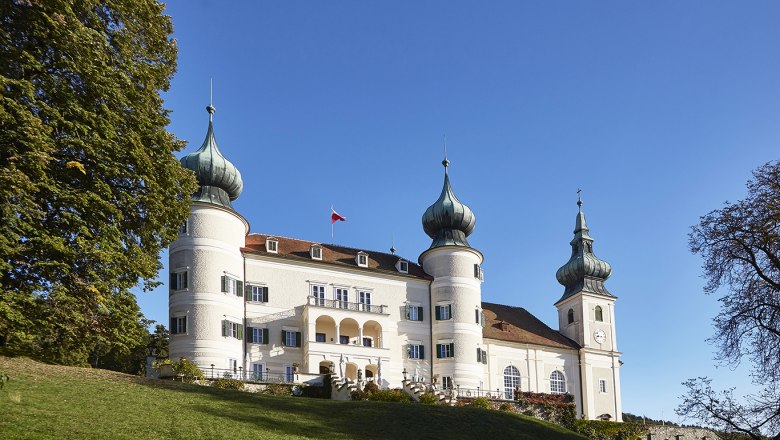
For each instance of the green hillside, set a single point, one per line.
(46, 401)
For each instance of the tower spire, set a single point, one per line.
(445, 162)
(210, 108)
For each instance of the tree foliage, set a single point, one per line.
(90, 191)
(740, 245)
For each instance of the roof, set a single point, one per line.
(523, 327)
(332, 254)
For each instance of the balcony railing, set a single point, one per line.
(247, 376)
(344, 305)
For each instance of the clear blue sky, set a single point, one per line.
(657, 110)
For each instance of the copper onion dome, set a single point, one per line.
(448, 221)
(219, 180)
(584, 271)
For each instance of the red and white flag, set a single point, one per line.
(336, 217)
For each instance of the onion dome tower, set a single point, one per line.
(456, 294)
(219, 182)
(205, 302)
(586, 314)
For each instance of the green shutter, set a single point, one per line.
(225, 327)
(297, 339)
(407, 311)
(438, 313)
(241, 331)
(419, 313)
(184, 324)
(408, 351)
(452, 349)
(479, 355)
(284, 339)
(223, 283)
(438, 350)
(265, 294)
(476, 315)
(239, 288)
(184, 279)
(249, 335)
(265, 336)
(449, 307)
(422, 352)
(173, 282)
(484, 357)
(173, 328)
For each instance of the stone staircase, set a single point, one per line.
(417, 389)
(341, 388)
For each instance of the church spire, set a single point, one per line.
(584, 271)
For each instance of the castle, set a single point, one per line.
(261, 304)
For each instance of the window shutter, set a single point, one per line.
(419, 313)
(284, 338)
(225, 327)
(239, 288)
(452, 349)
(408, 308)
(422, 352)
(439, 350)
(479, 355)
(297, 339)
(482, 318)
(265, 336)
(247, 292)
(250, 337)
(173, 285)
(173, 328)
(223, 283)
(184, 279)
(408, 351)
(240, 331)
(449, 309)
(476, 270)
(484, 357)
(265, 294)
(438, 313)
(184, 324)
(476, 315)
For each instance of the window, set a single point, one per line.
(444, 312)
(316, 252)
(362, 259)
(446, 382)
(603, 386)
(570, 316)
(178, 325)
(415, 350)
(343, 339)
(258, 372)
(478, 274)
(272, 245)
(479, 317)
(232, 329)
(291, 338)
(403, 266)
(599, 314)
(319, 337)
(232, 286)
(318, 292)
(178, 280)
(257, 294)
(481, 356)
(511, 381)
(232, 366)
(445, 350)
(257, 335)
(183, 229)
(364, 297)
(289, 373)
(367, 342)
(557, 383)
(342, 298)
(414, 312)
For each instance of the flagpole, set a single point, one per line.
(331, 224)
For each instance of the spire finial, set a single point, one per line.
(392, 246)
(210, 108)
(445, 162)
(579, 198)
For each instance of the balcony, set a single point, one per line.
(344, 305)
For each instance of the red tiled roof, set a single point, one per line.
(523, 327)
(294, 249)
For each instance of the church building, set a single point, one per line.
(264, 304)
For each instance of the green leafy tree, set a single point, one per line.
(740, 245)
(90, 191)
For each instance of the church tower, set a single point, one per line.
(456, 295)
(586, 314)
(206, 305)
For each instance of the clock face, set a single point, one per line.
(600, 336)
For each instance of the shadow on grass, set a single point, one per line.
(322, 418)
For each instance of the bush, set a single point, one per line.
(481, 402)
(228, 384)
(371, 388)
(603, 430)
(278, 389)
(358, 394)
(187, 370)
(390, 396)
(327, 386)
(506, 406)
(429, 399)
(313, 391)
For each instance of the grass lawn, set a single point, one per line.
(46, 401)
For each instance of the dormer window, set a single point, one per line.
(272, 245)
(316, 252)
(402, 266)
(362, 259)
(504, 326)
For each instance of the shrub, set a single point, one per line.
(481, 402)
(506, 406)
(390, 396)
(358, 394)
(188, 371)
(429, 399)
(278, 389)
(313, 391)
(603, 430)
(327, 386)
(228, 384)
(371, 388)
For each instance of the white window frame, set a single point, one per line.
(449, 351)
(362, 259)
(257, 335)
(181, 274)
(290, 334)
(445, 306)
(256, 289)
(317, 290)
(272, 245)
(232, 368)
(603, 386)
(446, 383)
(184, 228)
(413, 350)
(412, 312)
(557, 386)
(341, 297)
(232, 330)
(289, 373)
(403, 266)
(315, 252)
(364, 299)
(179, 319)
(259, 367)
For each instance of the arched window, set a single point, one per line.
(511, 381)
(599, 314)
(571, 315)
(557, 383)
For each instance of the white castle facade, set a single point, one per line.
(266, 305)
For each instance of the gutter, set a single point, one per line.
(430, 321)
(582, 390)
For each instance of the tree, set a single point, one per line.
(90, 191)
(740, 245)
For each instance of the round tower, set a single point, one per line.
(456, 296)
(206, 299)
